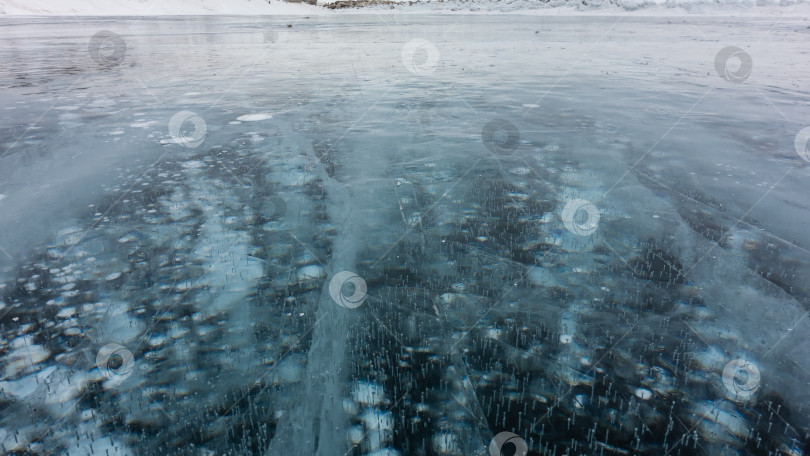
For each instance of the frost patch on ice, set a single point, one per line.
(643, 394)
(113, 276)
(67, 312)
(368, 393)
(24, 357)
(2, 196)
(143, 124)
(376, 419)
(27, 385)
(64, 386)
(254, 117)
(445, 443)
(356, 435)
(192, 164)
(385, 452)
(311, 272)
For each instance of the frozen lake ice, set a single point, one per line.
(405, 235)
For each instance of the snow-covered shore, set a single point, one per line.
(743, 8)
(153, 7)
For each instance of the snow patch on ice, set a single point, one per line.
(143, 124)
(113, 276)
(192, 164)
(254, 117)
(369, 393)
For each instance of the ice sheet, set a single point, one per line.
(585, 231)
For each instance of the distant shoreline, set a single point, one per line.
(146, 8)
